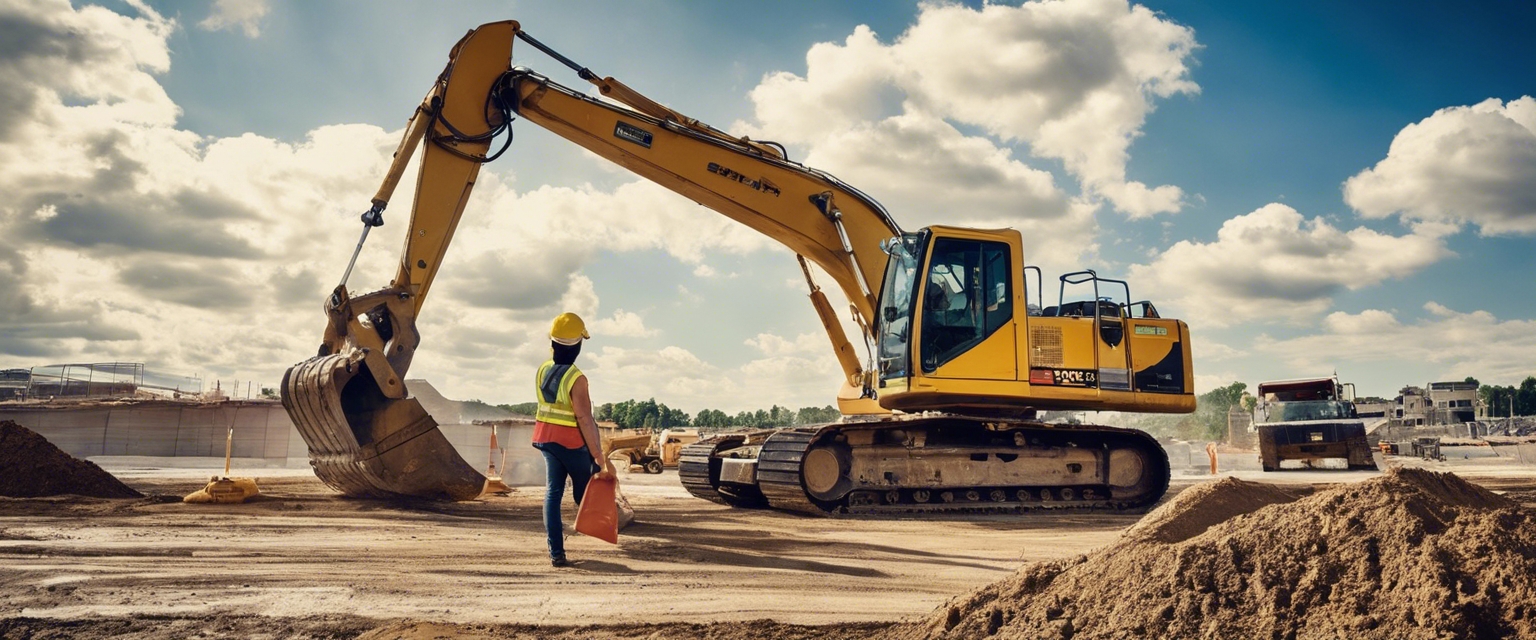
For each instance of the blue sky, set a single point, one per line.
(1215, 181)
(1299, 96)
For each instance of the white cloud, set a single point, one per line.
(928, 170)
(1212, 351)
(688, 296)
(1461, 344)
(672, 373)
(1472, 164)
(622, 324)
(1205, 382)
(635, 216)
(245, 14)
(93, 56)
(1073, 79)
(131, 239)
(771, 345)
(800, 381)
(121, 229)
(1275, 264)
(682, 379)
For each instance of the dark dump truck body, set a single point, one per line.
(1307, 424)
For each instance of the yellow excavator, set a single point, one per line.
(962, 354)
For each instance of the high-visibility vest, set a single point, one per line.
(553, 388)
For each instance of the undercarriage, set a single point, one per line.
(928, 463)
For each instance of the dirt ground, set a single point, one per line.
(302, 562)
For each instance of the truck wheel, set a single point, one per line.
(653, 466)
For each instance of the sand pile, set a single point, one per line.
(1411, 554)
(1206, 505)
(30, 467)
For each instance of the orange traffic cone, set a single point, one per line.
(493, 481)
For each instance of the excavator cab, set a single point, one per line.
(955, 329)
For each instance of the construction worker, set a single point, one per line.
(564, 429)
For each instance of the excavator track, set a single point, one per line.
(698, 468)
(778, 470)
(1096, 496)
(693, 467)
(785, 478)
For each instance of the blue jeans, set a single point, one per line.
(560, 462)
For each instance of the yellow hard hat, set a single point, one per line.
(568, 329)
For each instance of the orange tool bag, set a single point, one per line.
(598, 515)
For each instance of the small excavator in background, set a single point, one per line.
(652, 452)
(961, 352)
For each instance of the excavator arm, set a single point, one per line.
(366, 436)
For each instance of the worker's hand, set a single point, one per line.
(606, 472)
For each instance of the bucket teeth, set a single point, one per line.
(364, 444)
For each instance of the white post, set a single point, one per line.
(229, 447)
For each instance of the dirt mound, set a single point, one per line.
(1205, 505)
(1411, 554)
(31, 467)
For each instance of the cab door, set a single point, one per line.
(966, 307)
(1114, 348)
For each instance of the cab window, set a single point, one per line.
(965, 297)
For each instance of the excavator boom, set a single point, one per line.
(813, 213)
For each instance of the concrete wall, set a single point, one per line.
(1240, 428)
(524, 464)
(1399, 433)
(162, 429)
(264, 435)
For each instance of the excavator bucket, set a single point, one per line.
(366, 444)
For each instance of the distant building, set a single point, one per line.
(1452, 402)
(13, 383)
(1408, 408)
(1373, 408)
(1440, 403)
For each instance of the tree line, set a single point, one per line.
(1498, 399)
(1208, 422)
(649, 414)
